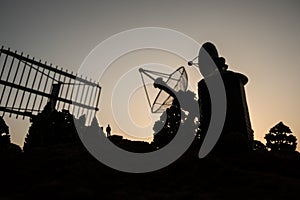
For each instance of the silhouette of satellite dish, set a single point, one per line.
(177, 80)
(208, 50)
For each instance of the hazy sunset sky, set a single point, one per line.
(260, 39)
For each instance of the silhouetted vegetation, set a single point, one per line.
(171, 119)
(259, 146)
(166, 128)
(51, 127)
(4, 133)
(280, 138)
(6, 147)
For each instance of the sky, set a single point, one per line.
(257, 38)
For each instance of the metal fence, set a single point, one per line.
(27, 85)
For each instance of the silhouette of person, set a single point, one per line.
(108, 130)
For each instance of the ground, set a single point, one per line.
(70, 172)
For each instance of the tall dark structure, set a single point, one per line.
(237, 133)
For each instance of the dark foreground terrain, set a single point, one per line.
(70, 172)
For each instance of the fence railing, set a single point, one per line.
(27, 85)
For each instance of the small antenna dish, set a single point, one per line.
(177, 80)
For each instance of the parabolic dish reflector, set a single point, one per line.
(177, 80)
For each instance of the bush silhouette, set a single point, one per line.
(171, 119)
(166, 128)
(51, 128)
(4, 134)
(280, 138)
(6, 147)
(258, 146)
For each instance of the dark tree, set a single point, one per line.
(166, 128)
(4, 133)
(6, 147)
(51, 128)
(280, 138)
(258, 146)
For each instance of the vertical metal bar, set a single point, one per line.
(14, 79)
(92, 115)
(62, 88)
(26, 83)
(4, 64)
(68, 86)
(53, 79)
(81, 98)
(71, 96)
(73, 111)
(2, 71)
(94, 89)
(92, 99)
(95, 95)
(76, 97)
(87, 117)
(72, 93)
(21, 78)
(85, 102)
(32, 86)
(98, 97)
(88, 89)
(7, 79)
(59, 76)
(1, 54)
(45, 87)
(38, 88)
